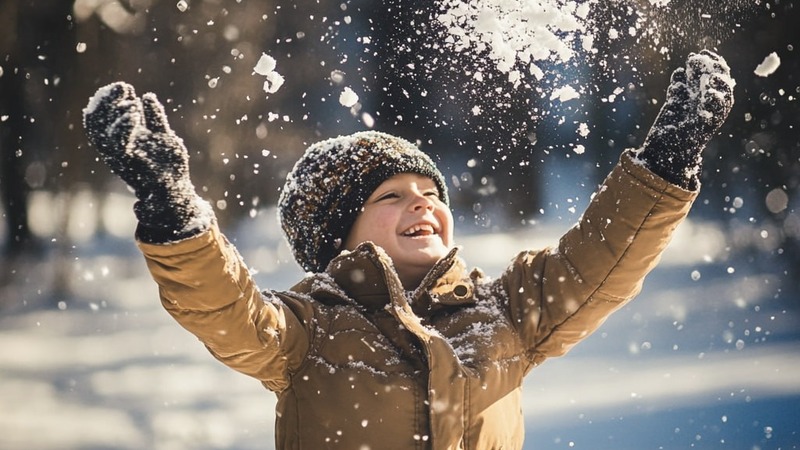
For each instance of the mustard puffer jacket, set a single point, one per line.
(357, 362)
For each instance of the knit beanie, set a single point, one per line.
(327, 188)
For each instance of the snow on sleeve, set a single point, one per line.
(769, 65)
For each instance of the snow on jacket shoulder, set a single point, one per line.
(357, 362)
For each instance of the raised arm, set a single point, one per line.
(560, 296)
(203, 282)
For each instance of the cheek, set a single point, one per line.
(378, 224)
(446, 220)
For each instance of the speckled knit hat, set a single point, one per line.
(329, 184)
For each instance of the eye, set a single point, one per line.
(432, 192)
(387, 196)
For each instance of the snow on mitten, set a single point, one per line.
(134, 139)
(699, 98)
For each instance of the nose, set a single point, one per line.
(421, 201)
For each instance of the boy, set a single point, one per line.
(389, 342)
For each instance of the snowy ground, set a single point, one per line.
(705, 358)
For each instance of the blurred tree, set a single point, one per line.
(42, 123)
(13, 128)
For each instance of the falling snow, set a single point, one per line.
(266, 67)
(348, 98)
(769, 65)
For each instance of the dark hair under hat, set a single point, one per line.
(327, 187)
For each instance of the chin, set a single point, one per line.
(434, 255)
(423, 256)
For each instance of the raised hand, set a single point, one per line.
(135, 140)
(699, 99)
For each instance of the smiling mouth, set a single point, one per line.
(421, 229)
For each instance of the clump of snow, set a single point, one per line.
(565, 94)
(769, 65)
(348, 98)
(273, 82)
(266, 67)
(541, 46)
(583, 130)
(515, 30)
(519, 36)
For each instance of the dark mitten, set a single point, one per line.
(699, 98)
(134, 139)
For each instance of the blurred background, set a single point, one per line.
(519, 163)
(198, 57)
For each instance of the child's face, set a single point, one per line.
(405, 217)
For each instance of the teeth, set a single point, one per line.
(417, 228)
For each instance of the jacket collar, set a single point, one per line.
(367, 276)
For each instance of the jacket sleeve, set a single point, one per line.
(205, 285)
(557, 297)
